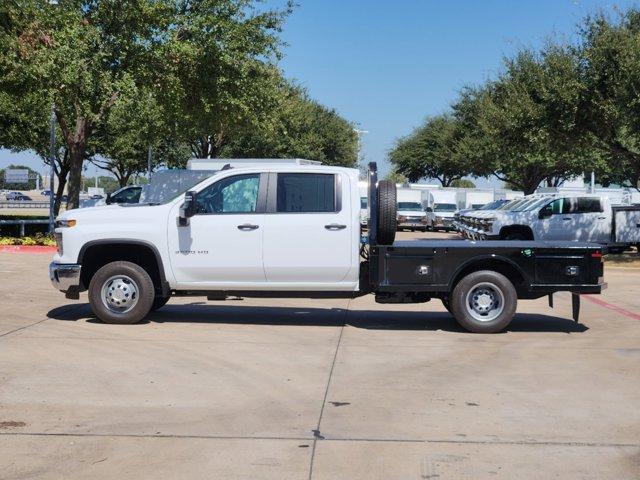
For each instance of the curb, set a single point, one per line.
(43, 249)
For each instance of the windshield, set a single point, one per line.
(166, 185)
(445, 207)
(530, 204)
(538, 203)
(492, 205)
(414, 206)
(512, 204)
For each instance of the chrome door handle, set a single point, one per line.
(335, 226)
(247, 226)
(566, 218)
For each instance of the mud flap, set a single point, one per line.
(575, 306)
(551, 300)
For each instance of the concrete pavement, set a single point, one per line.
(319, 389)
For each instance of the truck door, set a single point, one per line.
(308, 235)
(222, 245)
(554, 221)
(592, 223)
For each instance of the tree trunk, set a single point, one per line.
(76, 158)
(62, 182)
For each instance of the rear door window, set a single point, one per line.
(306, 192)
(588, 205)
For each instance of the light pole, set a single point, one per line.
(359, 133)
(52, 159)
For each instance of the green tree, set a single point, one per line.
(201, 55)
(434, 150)
(134, 124)
(219, 75)
(523, 124)
(610, 112)
(396, 177)
(30, 185)
(463, 183)
(298, 127)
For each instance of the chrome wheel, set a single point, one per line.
(485, 302)
(120, 294)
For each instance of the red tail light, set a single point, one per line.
(596, 255)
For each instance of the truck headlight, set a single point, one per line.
(65, 223)
(402, 218)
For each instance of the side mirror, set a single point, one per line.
(108, 199)
(429, 210)
(189, 207)
(545, 213)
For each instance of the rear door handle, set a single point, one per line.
(335, 226)
(567, 218)
(247, 226)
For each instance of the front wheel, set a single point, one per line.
(484, 302)
(121, 292)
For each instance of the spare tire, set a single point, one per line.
(387, 211)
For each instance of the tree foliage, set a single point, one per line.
(205, 59)
(434, 150)
(550, 114)
(298, 127)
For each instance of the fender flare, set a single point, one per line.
(164, 285)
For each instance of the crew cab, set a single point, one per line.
(294, 231)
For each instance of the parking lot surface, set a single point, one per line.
(322, 389)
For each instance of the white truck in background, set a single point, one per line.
(476, 199)
(411, 214)
(583, 218)
(441, 207)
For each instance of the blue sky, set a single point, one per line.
(386, 65)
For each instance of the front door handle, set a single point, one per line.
(566, 218)
(335, 226)
(247, 226)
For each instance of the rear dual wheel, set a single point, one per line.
(483, 302)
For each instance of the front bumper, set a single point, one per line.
(443, 223)
(65, 277)
(412, 224)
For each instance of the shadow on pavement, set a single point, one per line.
(322, 317)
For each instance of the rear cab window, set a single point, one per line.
(306, 193)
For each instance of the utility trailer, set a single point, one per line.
(625, 228)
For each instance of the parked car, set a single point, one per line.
(292, 231)
(128, 194)
(585, 218)
(17, 197)
(411, 216)
(45, 193)
(440, 216)
(462, 213)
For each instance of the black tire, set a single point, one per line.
(502, 289)
(145, 292)
(387, 211)
(159, 302)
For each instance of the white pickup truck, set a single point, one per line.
(584, 218)
(294, 231)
